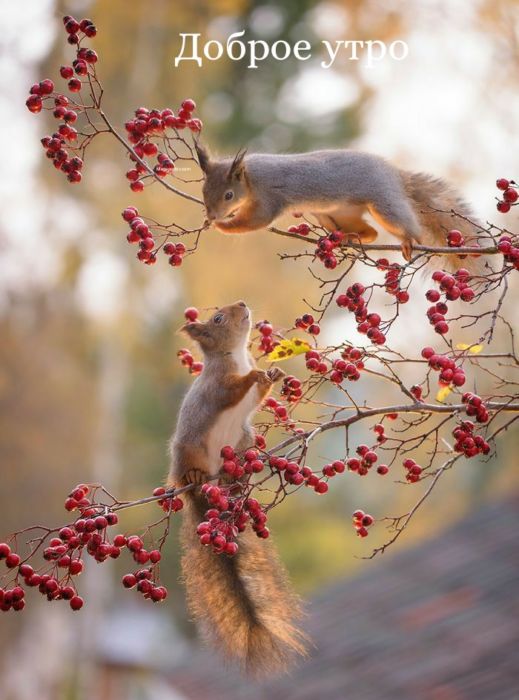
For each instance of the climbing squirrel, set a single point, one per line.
(337, 187)
(243, 603)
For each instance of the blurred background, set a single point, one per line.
(89, 380)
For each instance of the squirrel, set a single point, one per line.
(338, 187)
(243, 603)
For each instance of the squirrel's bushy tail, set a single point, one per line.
(242, 604)
(440, 208)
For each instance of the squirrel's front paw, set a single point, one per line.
(262, 378)
(275, 374)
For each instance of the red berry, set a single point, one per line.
(191, 313)
(12, 560)
(511, 195)
(502, 183)
(155, 556)
(74, 85)
(76, 567)
(76, 603)
(34, 104)
(129, 581)
(5, 550)
(46, 87)
(441, 327)
(188, 105)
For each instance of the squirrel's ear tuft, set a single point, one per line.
(237, 168)
(203, 156)
(193, 329)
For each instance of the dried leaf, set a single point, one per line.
(443, 393)
(473, 349)
(287, 348)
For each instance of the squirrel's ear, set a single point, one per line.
(237, 168)
(203, 156)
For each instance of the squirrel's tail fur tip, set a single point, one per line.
(439, 209)
(243, 605)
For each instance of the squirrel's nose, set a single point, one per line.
(241, 303)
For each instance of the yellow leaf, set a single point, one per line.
(443, 393)
(473, 349)
(287, 348)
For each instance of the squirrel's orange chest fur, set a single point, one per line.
(228, 429)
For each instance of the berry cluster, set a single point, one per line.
(510, 194)
(236, 468)
(325, 247)
(348, 367)
(141, 233)
(509, 250)
(227, 517)
(361, 522)
(291, 389)
(379, 431)
(148, 124)
(436, 316)
(335, 467)
(169, 504)
(87, 535)
(392, 280)
(315, 362)
(63, 109)
(149, 589)
(414, 471)
(455, 239)
(307, 323)
(368, 324)
(466, 442)
(296, 474)
(365, 460)
(450, 373)
(302, 229)
(187, 360)
(75, 28)
(217, 533)
(453, 286)
(475, 407)
(280, 412)
(267, 341)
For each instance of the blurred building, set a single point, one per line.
(437, 622)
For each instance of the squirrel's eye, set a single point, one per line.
(218, 318)
(229, 195)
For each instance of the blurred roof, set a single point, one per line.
(437, 622)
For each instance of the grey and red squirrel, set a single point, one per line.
(338, 188)
(244, 603)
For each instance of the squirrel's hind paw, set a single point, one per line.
(407, 249)
(194, 476)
